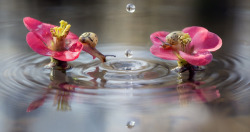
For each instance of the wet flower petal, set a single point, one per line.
(68, 55)
(37, 45)
(40, 38)
(167, 54)
(31, 23)
(206, 41)
(161, 35)
(192, 31)
(42, 30)
(199, 59)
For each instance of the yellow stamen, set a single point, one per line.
(62, 31)
(59, 34)
(185, 39)
(179, 40)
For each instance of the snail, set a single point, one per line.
(89, 41)
(90, 38)
(176, 40)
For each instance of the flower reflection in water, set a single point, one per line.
(193, 91)
(64, 89)
(190, 92)
(63, 86)
(62, 95)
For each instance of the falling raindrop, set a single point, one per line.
(131, 124)
(130, 8)
(129, 53)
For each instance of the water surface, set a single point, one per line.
(133, 91)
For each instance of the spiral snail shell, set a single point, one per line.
(90, 38)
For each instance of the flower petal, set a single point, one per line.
(71, 39)
(72, 36)
(166, 54)
(37, 45)
(161, 35)
(31, 23)
(42, 30)
(40, 38)
(206, 41)
(68, 55)
(194, 30)
(199, 59)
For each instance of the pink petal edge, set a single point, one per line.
(166, 54)
(199, 59)
(31, 23)
(206, 41)
(42, 30)
(161, 35)
(193, 30)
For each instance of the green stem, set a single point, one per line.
(182, 62)
(186, 66)
(57, 64)
(191, 74)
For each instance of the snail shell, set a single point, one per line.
(90, 38)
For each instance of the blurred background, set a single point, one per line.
(113, 24)
(116, 27)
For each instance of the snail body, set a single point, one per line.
(89, 41)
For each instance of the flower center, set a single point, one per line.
(62, 31)
(59, 34)
(178, 39)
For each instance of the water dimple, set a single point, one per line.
(131, 124)
(129, 53)
(127, 65)
(130, 8)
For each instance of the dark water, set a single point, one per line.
(131, 92)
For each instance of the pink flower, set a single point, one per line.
(40, 39)
(64, 46)
(194, 45)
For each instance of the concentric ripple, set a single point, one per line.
(121, 79)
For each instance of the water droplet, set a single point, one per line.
(129, 53)
(130, 8)
(131, 124)
(67, 41)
